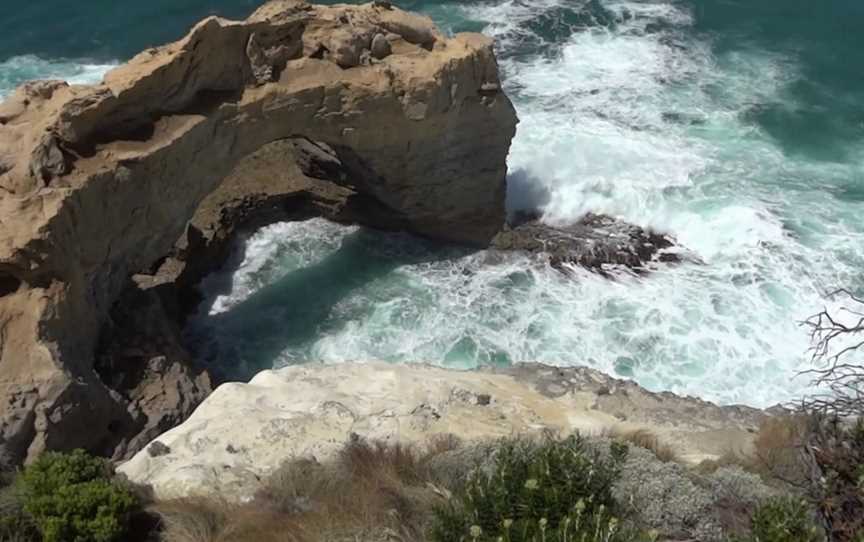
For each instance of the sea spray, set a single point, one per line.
(19, 69)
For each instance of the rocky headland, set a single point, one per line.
(116, 199)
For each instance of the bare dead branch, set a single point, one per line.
(834, 368)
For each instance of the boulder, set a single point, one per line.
(98, 182)
(380, 47)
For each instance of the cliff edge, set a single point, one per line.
(243, 432)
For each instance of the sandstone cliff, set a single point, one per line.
(97, 184)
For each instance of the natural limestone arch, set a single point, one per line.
(98, 182)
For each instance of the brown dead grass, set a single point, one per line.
(776, 451)
(210, 520)
(778, 443)
(371, 490)
(644, 439)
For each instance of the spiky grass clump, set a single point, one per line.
(548, 491)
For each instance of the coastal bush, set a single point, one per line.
(835, 452)
(72, 498)
(817, 456)
(834, 444)
(551, 491)
(667, 497)
(783, 519)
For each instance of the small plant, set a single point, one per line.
(16, 525)
(72, 498)
(552, 491)
(784, 519)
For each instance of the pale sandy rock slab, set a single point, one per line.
(244, 431)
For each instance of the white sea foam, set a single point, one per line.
(19, 69)
(271, 254)
(640, 120)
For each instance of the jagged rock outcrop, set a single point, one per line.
(597, 242)
(97, 183)
(242, 432)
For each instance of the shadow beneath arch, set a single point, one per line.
(296, 309)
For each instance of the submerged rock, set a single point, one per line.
(98, 182)
(596, 242)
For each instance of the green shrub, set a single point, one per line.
(16, 525)
(552, 491)
(71, 498)
(784, 519)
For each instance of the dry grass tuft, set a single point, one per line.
(209, 520)
(728, 459)
(777, 447)
(442, 443)
(381, 462)
(776, 454)
(644, 439)
(371, 489)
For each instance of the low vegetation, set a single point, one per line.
(776, 454)
(644, 439)
(524, 490)
(554, 490)
(66, 498)
(784, 519)
(515, 490)
(372, 491)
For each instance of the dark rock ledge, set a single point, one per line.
(596, 242)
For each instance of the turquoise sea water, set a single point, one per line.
(735, 125)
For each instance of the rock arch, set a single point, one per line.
(97, 183)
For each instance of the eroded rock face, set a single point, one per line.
(97, 183)
(242, 432)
